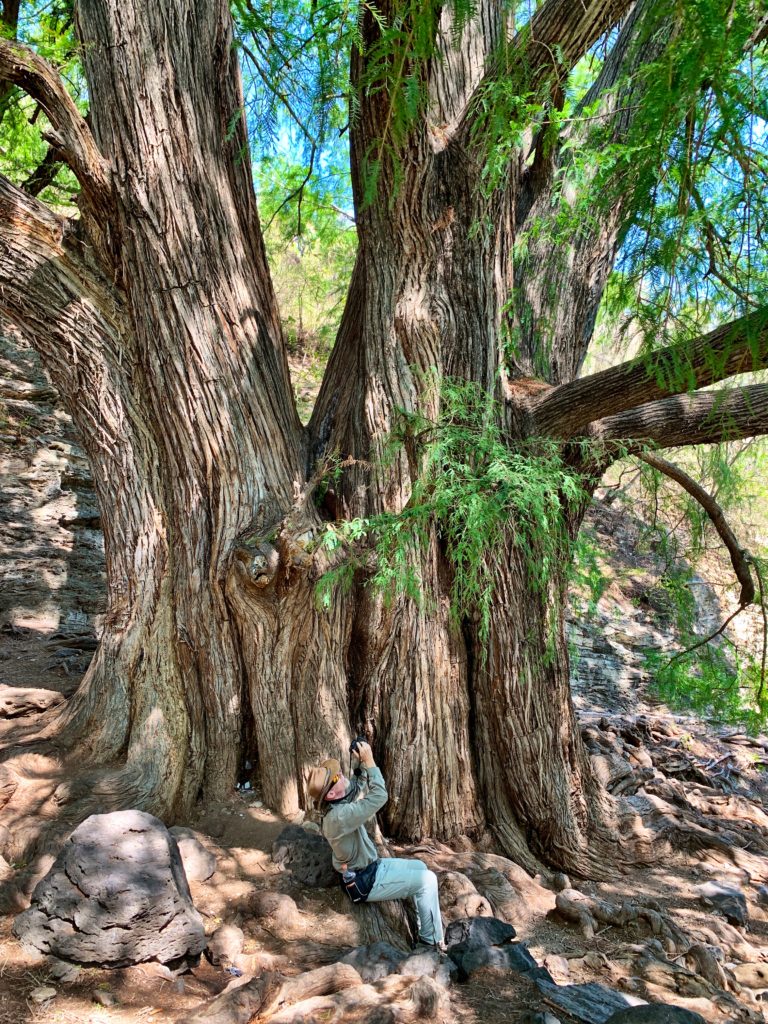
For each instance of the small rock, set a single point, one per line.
(558, 966)
(258, 803)
(199, 863)
(42, 994)
(593, 960)
(62, 970)
(225, 945)
(729, 901)
(104, 997)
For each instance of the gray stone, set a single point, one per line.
(375, 961)
(62, 970)
(511, 957)
(116, 895)
(728, 900)
(104, 998)
(225, 945)
(656, 1013)
(42, 994)
(199, 863)
(430, 964)
(475, 932)
(761, 895)
(306, 855)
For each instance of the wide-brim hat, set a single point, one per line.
(321, 778)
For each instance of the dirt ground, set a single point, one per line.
(241, 835)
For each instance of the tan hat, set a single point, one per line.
(321, 778)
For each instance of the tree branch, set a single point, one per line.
(51, 291)
(736, 347)
(739, 558)
(71, 135)
(705, 417)
(555, 39)
(44, 173)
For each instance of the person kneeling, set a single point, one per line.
(345, 807)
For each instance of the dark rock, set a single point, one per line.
(475, 932)
(761, 895)
(728, 900)
(199, 863)
(656, 1013)
(588, 1004)
(511, 957)
(307, 855)
(116, 895)
(225, 945)
(375, 961)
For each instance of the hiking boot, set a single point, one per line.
(429, 947)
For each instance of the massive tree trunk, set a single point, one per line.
(157, 320)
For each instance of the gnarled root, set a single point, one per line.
(589, 912)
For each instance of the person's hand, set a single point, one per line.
(364, 752)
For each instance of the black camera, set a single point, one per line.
(354, 743)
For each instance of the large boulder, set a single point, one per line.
(306, 855)
(116, 895)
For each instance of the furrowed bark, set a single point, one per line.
(76, 321)
(739, 560)
(701, 418)
(737, 347)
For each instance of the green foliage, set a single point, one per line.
(478, 494)
(586, 574)
(713, 682)
(48, 29)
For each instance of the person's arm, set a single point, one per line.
(349, 817)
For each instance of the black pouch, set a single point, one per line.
(359, 887)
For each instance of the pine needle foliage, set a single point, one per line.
(478, 493)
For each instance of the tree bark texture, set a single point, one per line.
(156, 317)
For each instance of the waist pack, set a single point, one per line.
(359, 887)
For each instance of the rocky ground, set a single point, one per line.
(687, 925)
(690, 928)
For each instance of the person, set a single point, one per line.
(345, 806)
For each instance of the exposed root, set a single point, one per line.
(589, 912)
